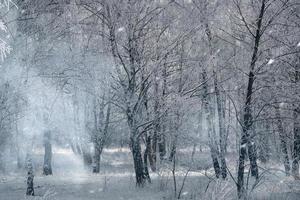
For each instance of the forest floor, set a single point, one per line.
(71, 181)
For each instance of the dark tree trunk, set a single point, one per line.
(247, 118)
(97, 155)
(146, 156)
(296, 150)
(173, 150)
(241, 168)
(175, 127)
(87, 158)
(153, 149)
(47, 169)
(162, 142)
(296, 115)
(247, 142)
(216, 165)
(252, 153)
(30, 176)
(138, 162)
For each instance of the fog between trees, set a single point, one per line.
(200, 98)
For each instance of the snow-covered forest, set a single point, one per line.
(149, 99)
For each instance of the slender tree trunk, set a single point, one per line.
(19, 162)
(128, 82)
(222, 130)
(252, 153)
(154, 143)
(296, 150)
(2, 166)
(296, 116)
(47, 169)
(162, 135)
(146, 156)
(148, 136)
(283, 142)
(173, 149)
(247, 118)
(208, 111)
(156, 126)
(101, 138)
(162, 142)
(178, 113)
(175, 136)
(228, 124)
(30, 176)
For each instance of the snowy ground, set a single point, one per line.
(71, 181)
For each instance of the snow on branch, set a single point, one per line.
(5, 49)
(7, 4)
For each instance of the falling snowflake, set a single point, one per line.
(121, 29)
(298, 45)
(271, 61)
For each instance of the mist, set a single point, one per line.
(148, 99)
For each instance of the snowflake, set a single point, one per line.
(271, 61)
(121, 29)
